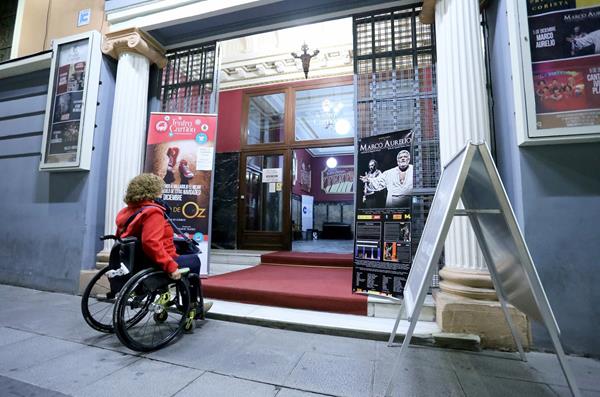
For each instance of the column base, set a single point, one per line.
(468, 284)
(458, 314)
(86, 275)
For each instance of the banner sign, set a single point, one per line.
(565, 55)
(382, 245)
(180, 149)
(338, 180)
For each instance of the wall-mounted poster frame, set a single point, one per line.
(542, 61)
(338, 180)
(71, 105)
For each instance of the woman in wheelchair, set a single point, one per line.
(149, 294)
(144, 218)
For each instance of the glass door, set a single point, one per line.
(264, 201)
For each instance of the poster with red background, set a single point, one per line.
(180, 149)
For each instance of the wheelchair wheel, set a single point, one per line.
(151, 310)
(97, 303)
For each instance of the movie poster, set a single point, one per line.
(382, 245)
(180, 149)
(565, 55)
(65, 123)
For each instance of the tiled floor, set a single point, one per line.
(330, 246)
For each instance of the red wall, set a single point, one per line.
(229, 121)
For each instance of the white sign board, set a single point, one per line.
(472, 177)
(272, 175)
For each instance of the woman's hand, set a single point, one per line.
(175, 275)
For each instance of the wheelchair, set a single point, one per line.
(141, 304)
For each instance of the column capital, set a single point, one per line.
(134, 40)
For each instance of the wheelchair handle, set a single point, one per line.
(110, 237)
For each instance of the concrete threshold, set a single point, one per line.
(427, 333)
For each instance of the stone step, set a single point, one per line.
(383, 307)
(236, 257)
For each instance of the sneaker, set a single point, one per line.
(206, 308)
(184, 170)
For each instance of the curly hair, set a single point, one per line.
(143, 187)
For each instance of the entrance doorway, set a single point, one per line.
(323, 199)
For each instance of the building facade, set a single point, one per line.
(457, 91)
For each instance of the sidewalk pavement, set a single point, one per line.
(46, 349)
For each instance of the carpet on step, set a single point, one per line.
(326, 289)
(307, 259)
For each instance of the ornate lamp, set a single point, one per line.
(305, 57)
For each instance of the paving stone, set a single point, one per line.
(412, 379)
(285, 392)
(215, 385)
(258, 362)
(425, 356)
(143, 378)
(9, 336)
(207, 345)
(33, 351)
(476, 385)
(564, 391)
(14, 388)
(71, 372)
(586, 371)
(332, 375)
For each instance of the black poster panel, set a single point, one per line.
(382, 242)
(567, 34)
(535, 7)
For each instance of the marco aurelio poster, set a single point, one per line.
(565, 54)
(180, 149)
(382, 245)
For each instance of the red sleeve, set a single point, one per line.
(152, 235)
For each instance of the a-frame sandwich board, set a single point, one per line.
(472, 177)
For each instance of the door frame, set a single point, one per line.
(249, 239)
(286, 147)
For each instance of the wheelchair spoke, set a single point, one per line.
(153, 316)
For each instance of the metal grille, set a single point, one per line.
(187, 82)
(395, 74)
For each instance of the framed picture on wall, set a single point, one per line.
(338, 180)
(71, 105)
(558, 61)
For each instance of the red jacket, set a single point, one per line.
(156, 233)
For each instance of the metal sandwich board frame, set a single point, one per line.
(472, 177)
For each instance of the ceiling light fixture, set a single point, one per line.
(305, 57)
(331, 162)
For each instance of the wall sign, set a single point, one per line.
(272, 175)
(560, 57)
(71, 105)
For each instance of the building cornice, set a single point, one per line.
(134, 40)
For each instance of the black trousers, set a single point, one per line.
(193, 262)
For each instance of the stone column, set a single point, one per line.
(135, 52)
(466, 301)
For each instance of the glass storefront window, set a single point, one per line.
(266, 119)
(325, 113)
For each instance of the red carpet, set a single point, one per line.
(307, 259)
(318, 288)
